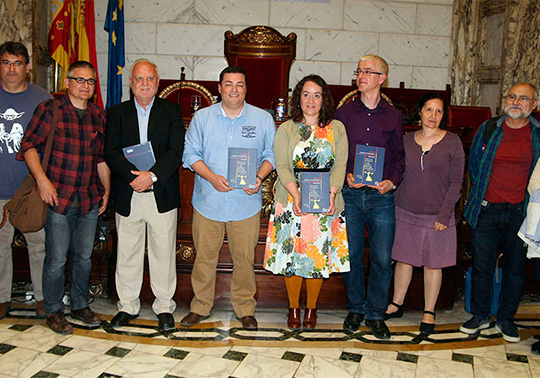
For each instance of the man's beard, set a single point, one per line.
(522, 112)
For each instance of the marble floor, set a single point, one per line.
(218, 347)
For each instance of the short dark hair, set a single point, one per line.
(327, 109)
(15, 48)
(233, 69)
(80, 64)
(422, 101)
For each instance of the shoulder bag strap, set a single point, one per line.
(50, 137)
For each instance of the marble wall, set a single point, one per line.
(413, 35)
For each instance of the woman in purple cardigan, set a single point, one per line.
(425, 204)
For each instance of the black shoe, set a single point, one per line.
(353, 321)
(122, 319)
(427, 328)
(397, 314)
(535, 348)
(379, 328)
(166, 321)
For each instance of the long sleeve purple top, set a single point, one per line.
(379, 127)
(435, 189)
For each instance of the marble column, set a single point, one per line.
(465, 42)
(17, 22)
(519, 61)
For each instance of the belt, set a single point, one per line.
(147, 191)
(501, 206)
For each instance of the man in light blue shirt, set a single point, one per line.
(218, 208)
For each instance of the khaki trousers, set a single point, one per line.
(208, 237)
(36, 255)
(143, 220)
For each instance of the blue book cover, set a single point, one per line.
(368, 164)
(140, 155)
(242, 167)
(314, 191)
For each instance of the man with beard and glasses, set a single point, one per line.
(500, 165)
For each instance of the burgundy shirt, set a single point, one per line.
(380, 127)
(76, 151)
(511, 166)
(435, 189)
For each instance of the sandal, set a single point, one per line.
(427, 328)
(396, 314)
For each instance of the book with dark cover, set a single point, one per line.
(141, 155)
(368, 165)
(314, 191)
(242, 168)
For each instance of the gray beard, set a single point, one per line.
(522, 114)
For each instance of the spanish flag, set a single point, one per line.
(62, 36)
(114, 25)
(86, 40)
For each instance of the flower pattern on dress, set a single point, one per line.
(312, 245)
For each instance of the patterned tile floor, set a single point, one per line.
(220, 348)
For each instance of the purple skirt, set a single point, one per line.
(416, 243)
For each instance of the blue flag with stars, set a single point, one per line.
(114, 25)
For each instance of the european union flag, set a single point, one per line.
(114, 25)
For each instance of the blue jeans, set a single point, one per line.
(497, 229)
(63, 233)
(367, 206)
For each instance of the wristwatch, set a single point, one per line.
(153, 176)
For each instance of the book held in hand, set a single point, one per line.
(140, 155)
(242, 168)
(368, 164)
(314, 191)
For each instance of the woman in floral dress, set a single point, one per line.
(308, 245)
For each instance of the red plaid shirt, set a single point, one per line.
(77, 149)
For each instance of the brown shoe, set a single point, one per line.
(310, 318)
(40, 309)
(249, 322)
(192, 319)
(4, 308)
(58, 323)
(86, 315)
(293, 318)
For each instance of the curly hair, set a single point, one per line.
(327, 109)
(422, 101)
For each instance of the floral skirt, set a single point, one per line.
(310, 246)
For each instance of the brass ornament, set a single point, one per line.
(187, 84)
(186, 252)
(259, 34)
(268, 193)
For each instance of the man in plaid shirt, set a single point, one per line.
(76, 187)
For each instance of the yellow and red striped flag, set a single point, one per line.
(62, 36)
(86, 40)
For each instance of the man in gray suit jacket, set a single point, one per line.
(146, 201)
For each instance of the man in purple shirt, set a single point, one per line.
(371, 121)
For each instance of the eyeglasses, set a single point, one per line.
(16, 64)
(523, 98)
(366, 72)
(82, 80)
